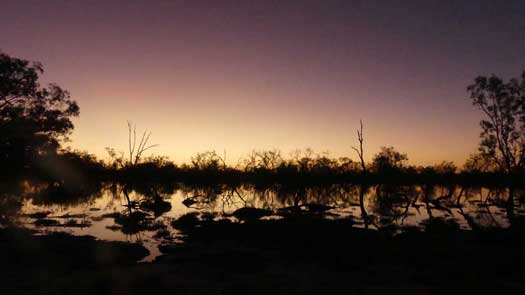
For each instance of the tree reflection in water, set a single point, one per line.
(146, 211)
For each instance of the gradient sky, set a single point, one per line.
(243, 75)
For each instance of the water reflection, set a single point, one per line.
(152, 214)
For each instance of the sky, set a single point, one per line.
(251, 75)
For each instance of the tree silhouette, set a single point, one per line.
(135, 152)
(208, 161)
(503, 130)
(388, 160)
(135, 156)
(359, 151)
(477, 163)
(33, 119)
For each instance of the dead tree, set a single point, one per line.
(135, 152)
(360, 150)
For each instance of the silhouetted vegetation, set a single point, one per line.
(33, 119)
(388, 165)
(270, 214)
(502, 144)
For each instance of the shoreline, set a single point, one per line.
(302, 256)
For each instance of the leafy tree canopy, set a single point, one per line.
(33, 119)
(388, 160)
(503, 128)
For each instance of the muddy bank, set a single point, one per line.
(291, 256)
(42, 264)
(313, 255)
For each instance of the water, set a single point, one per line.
(144, 213)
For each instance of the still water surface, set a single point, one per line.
(143, 213)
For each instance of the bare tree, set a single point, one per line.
(135, 152)
(120, 160)
(359, 151)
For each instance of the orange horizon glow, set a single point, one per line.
(252, 76)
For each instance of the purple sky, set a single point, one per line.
(243, 75)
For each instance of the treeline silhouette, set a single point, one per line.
(76, 169)
(35, 120)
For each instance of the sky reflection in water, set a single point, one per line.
(144, 213)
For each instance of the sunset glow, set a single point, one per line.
(289, 75)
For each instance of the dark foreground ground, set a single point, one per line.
(302, 256)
